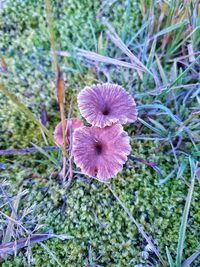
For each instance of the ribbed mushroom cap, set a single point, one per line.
(101, 152)
(74, 123)
(105, 104)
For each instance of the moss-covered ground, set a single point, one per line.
(103, 234)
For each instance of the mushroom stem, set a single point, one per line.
(60, 90)
(62, 115)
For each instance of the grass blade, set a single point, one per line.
(150, 59)
(162, 107)
(29, 114)
(93, 36)
(26, 150)
(182, 230)
(168, 89)
(50, 253)
(11, 247)
(99, 58)
(51, 35)
(145, 25)
(189, 260)
(158, 125)
(184, 40)
(171, 28)
(46, 154)
(167, 177)
(21, 243)
(23, 108)
(170, 260)
(181, 169)
(141, 231)
(127, 12)
(9, 229)
(119, 43)
(161, 70)
(151, 127)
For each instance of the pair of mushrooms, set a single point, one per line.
(101, 149)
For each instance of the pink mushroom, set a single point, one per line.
(101, 151)
(58, 136)
(105, 104)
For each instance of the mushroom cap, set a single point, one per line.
(105, 104)
(100, 151)
(73, 123)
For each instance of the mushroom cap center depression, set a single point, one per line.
(106, 110)
(98, 147)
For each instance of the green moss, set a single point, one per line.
(94, 218)
(91, 214)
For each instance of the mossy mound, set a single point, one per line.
(95, 219)
(101, 231)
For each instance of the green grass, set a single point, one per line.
(167, 131)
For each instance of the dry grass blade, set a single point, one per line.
(26, 150)
(51, 35)
(10, 247)
(59, 82)
(18, 223)
(183, 57)
(144, 235)
(50, 253)
(9, 229)
(119, 43)
(60, 88)
(7, 198)
(109, 60)
(99, 58)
